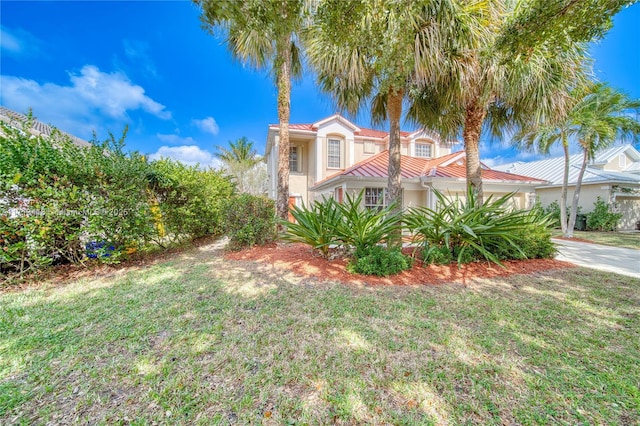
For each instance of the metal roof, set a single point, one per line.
(13, 118)
(451, 166)
(552, 169)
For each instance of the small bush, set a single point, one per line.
(378, 260)
(250, 220)
(439, 255)
(601, 218)
(553, 210)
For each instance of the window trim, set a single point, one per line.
(298, 150)
(340, 153)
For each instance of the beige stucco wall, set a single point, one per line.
(359, 153)
(414, 198)
(588, 195)
(630, 209)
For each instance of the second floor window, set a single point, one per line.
(334, 152)
(423, 150)
(293, 159)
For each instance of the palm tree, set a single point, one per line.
(599, 117)
(264, 33)
(371, 51)
(240, 151)
(241, 161)
(479, 87)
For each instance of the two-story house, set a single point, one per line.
(333, 156)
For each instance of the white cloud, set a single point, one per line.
(175, 139)
(91, 98)
(9, 42)
(187, 154)
(18, 42)
(207, 125)
(491, 162)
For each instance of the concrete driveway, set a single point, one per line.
(623, 261)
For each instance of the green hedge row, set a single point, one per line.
(61, 203)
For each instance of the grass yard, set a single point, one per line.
(200, 340)
(617, 239)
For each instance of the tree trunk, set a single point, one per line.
(474, 118)
(576, 196)
(394, 185)
(283, 53)
(565, 185)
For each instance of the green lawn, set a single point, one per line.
(618, 239)
(198, 340)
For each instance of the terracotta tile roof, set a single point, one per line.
(415, 167)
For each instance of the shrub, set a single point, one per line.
(601, 218)
(250, 220)
(315, 226)
(360, 227)
(439, 255)
(347, 224)
(379, 260)
(62, 203)
(470, 232)
(553, 210)
(191, 200)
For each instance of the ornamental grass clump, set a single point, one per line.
(465, 231)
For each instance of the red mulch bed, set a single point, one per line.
(301, 260)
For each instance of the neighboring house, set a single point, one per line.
(334, 156)
(613, 175)
(38, 128)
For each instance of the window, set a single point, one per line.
(423, 150)
(334, 153)
(369, 147)
(294, 156)
(622, 160)
(374, 198)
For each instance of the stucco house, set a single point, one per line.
(613, 175)
(333, 156)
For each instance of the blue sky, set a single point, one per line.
(97, 66)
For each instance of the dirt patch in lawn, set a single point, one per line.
(301, 260)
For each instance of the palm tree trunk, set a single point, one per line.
(284, 109)
(576, 196)
(474, 118)
(565, 185)
(394, 185)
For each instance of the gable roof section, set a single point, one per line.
(38, 128)
(552, 169)
(415, 167)
(358, 131)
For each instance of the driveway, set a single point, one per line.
(623, 261)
